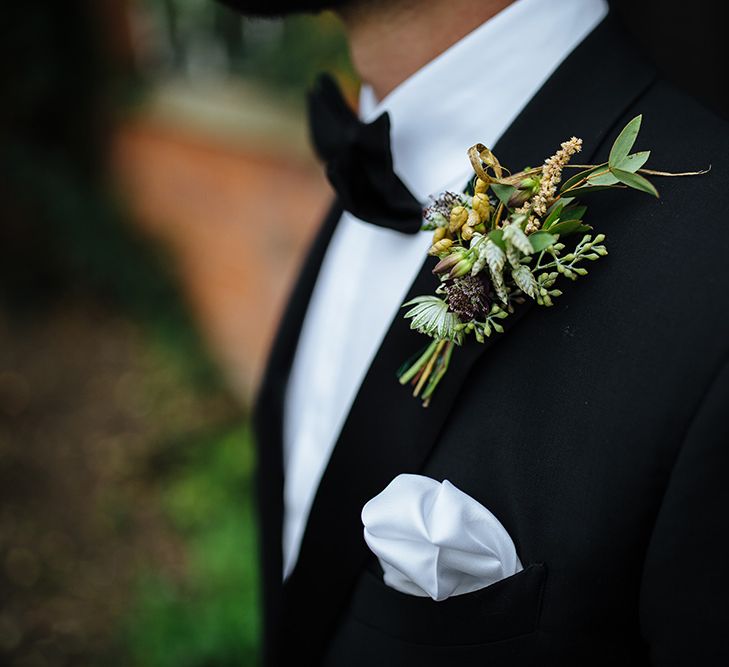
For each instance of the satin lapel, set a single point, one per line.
(268, 422)
(387, 431)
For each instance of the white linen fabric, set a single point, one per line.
(447, 106)
(433, 539)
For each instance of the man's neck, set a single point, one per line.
(392, 39)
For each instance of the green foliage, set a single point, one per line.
(541, 240)
(503, 192)
(522, 254)
(554, 263)
(491, 323)
(567, 227)
(554, 212)
(620, 169)
(579, 177)
(525, 280)
(209, 615)
(633, 162)
(430, 316)
(606, 178)
(589, 189)
(573, 213)
(625, 141)
(497, 236)
(623, 166)
(514, 235)
(635, 181)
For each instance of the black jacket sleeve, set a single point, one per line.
(685, 587)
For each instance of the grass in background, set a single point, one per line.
(208, 616)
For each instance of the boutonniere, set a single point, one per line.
(508, 238)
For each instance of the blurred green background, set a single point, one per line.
(137, 140)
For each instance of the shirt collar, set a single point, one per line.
(474, 90)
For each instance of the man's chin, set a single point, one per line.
(281, 7)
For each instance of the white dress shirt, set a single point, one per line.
(470, 93)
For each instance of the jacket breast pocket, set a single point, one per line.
(509, 608)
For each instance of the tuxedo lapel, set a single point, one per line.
(268, 426)
(387, 432)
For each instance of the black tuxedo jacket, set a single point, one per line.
(596, 430)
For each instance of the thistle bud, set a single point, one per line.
(480, 186)
(447, 263)
(440, 246)
(482, 206)
(459, 216)
(439, 234)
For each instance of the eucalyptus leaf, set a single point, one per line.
(624, 142)
(573, 213)
(607, 178)
(635, 181)
(633, 162)
(554, 212)
(542, 240)
(569, 227)
(552, 222)
(574, 180)
(503, 192)
(593, 188)
(561, 203)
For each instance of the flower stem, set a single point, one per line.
(418, 365)
(429, 367)
(440, 372)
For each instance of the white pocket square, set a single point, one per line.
(434, 540)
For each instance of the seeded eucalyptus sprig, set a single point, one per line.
(500, 244)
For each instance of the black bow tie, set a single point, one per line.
(359, 162)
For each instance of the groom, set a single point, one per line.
(596, 431)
